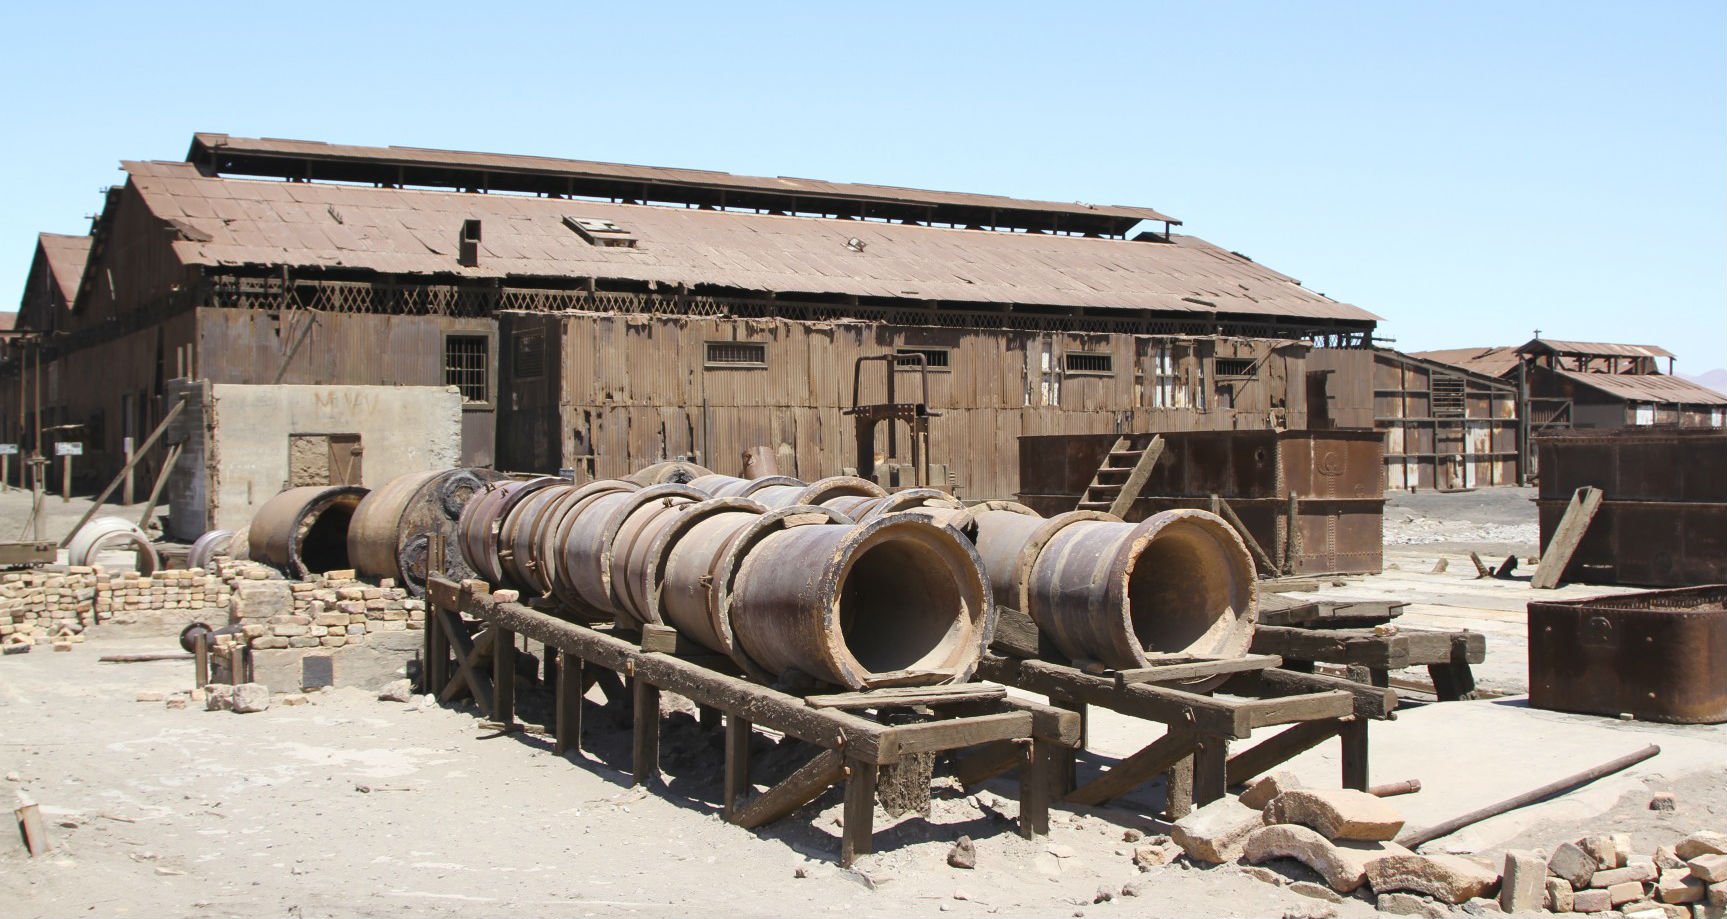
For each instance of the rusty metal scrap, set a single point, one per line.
(1657, 656)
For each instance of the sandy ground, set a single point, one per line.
(352, 806)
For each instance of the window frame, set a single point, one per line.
(1068, 369)
(489, 367)
(708, 355)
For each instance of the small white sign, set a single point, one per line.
(8, 449)
(69, 448)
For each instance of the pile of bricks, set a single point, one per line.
(1598, 874)
(328, 611)
(56, 604)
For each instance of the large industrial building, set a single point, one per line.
(597, 318)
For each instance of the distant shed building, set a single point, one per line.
(598, 317)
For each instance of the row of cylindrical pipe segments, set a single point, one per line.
(855, 586)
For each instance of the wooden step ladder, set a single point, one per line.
(1118, 482)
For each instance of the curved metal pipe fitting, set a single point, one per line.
(305, 530)
(895, 601)
(586, 545)
(109, 534)
(477, 530)
(1180, 582)
(683, 562)
(715, 485)
(818, 492)
(675, 472)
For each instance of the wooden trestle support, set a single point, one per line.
(1194, 750)
(467, 629)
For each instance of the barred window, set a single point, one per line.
(1233, 367)
(933, 358)
(529, 359)
(1089, 362)
(737, 354)
(467, 360)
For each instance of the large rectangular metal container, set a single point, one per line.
(1657, 656)
(1663, 516)
(1336, 476)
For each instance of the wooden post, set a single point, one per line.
(201, 660)
(1036, 787)
(126, 486)
(5, 467)
(738, 734)
(1210, 768)
(236, 664)
(30, 825)
(1585, 502)
(504, 677)
(708, 716)
(1178, 789)
(567, 735)
(646, 730)
(858, 837)
(1354, 737)
(66, 478)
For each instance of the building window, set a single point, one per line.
(933, 358)
(467, 366)
(1089, 363)
(1168, 386)
(1233, 367)
(528, 354)
(737, 354)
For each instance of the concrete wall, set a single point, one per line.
(248, 430)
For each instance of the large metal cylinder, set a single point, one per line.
(898, 600)
(206, 547)
(586, 544)
(1001, 534)
(392, 531)
(715, 485)
(521, 554)
(1181, 582)
(630, 560)
(112, 534)
(305, 530)
(818, 492)
(560, 519)
(477, 529)
(683, 566)
(675, 472)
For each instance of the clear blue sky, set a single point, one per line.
(1469, 171)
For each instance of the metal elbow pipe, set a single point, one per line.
(895, 601)
(1180, 582)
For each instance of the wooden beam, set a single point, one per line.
(1139, 700)
(1135, 770)
(1015, 633)
(1210, 769)
(1278, 749)
(909, 695)
(1037, 786)
(567, 735)
(30, 825)
(1354, 737)
(1164, 673)
(1369, 701)
(1137, 478)
(798, 789)
(954, 733)
(1585, 502)
(987, 762)
(504, 678)
(645, 729)
(1330, 703)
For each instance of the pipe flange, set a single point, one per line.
(674, 472)
(1028, 554)
(728, 562)
(619, 516)
(839, 486)
(901, 500)
(660, 553)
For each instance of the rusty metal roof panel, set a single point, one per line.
(1648, 387)
(1593, 348)
(525, 236)
(66, 256)
(1493, 362)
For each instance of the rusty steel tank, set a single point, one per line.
(304, 530)
(390, 535)
(895, 601)
(477, 529)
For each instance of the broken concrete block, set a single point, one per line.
(1666, 858)
(1343, 865)
(1525, 882)
(1591, 901)
(1261, 790)
(1155, 855)
(1643, 909)
(219, 697)
(251, 697)
(1557, 897)
(1264, 874)
(1482, 906)
(1570, 862)
(1214, 833)
(1448, 878)
(1641, 871)
(1679, 887)
(1337, 813)
(1408, 904)
(1710, 869)
(1702, 842)
(149, 695)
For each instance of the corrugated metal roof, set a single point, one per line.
(1594, 348)
(653, 175)
(66, 256)
(252, 222)
(1493, 362)
(1648, 387)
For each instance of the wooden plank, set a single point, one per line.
(1210, 769)
(858, 837)
(1435, 647)
(952, 734)
(34, 831)
(737, 780)
(504, 677)
(1178, 789)
(1306, 707)
(659, 638)
(1135, 770)
(1333, 646)
(1259, 555)
(1481, 569)
(1585, 502)
(1137, 478)
(572, 681)
(645, 731)
(201, 659)
(1037, 786)
(1140, 700)
(1354, 737)
(1016, 635)
(798, 789)
(1370, 702)
(910, 695)
(987, 762)
(1278, 749)
(1164, 673)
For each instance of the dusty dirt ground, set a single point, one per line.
(351, 806)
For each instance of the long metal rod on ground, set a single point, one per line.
(1415, 838)
(149, 442)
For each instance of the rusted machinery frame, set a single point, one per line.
(855, 746)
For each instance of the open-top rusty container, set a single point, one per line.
(1660, 655)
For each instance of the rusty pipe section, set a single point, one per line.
(304, 530)
(675, 472)
(478, 530)
(1181, 582)
(818, 492)
(897, 600)
(391, 534)
(684, 587)
(585, 548)
(715, 485)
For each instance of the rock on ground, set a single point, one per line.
(1337, 813)
(251, 697)
(1342, 865)
(219, 697)
(1265, 788)
(1214, 833)
(1408, 904)
(1524, 887)
(963, 854)
(396, 691)
(1448, 878)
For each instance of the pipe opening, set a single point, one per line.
(323, 537)
(901, 608)
(1183, 590)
